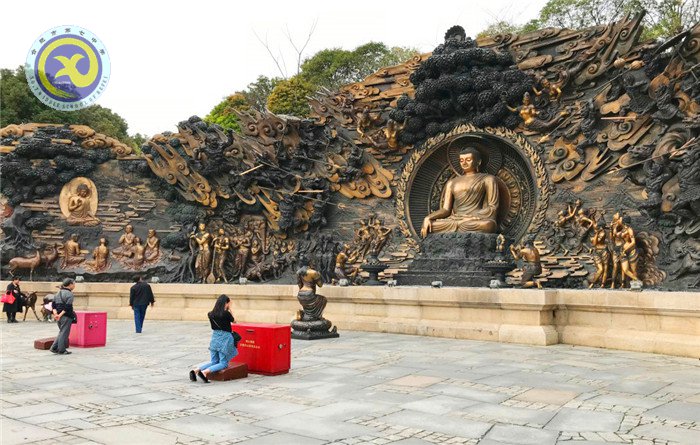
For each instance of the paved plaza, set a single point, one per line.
(363, 388)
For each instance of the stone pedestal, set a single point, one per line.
(457, 259)
(374, 267)
(313, 329)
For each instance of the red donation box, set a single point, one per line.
(264, 347)
(90, 331)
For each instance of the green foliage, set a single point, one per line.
(139, 139)
(19, 105)
(332, 68)
(224, 114)
(257, 92)
(663, 19)
(291, 97)
(500, 27)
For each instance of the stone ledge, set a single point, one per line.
(649, 321)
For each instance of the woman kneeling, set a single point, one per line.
(221, 347)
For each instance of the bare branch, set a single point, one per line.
(269, 51)
(300, 52)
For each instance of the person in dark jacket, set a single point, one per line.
(65, 315)
(12, 309)
(140, 297)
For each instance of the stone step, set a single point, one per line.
(234, 371)
(44, 343)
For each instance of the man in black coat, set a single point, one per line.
(140, 297)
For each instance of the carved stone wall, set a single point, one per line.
(579, 125)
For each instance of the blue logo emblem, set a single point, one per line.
(67, 68)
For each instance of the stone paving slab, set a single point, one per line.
(519, 435)
(359, 389)
(575, 420)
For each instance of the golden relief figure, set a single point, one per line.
(126, 243)
(625, 255)
(72, 253)
(152, 247)
(202, 240)
(100, 257)
(470, 202)
(78, 202)
(222, 244)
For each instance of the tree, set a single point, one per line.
(664, 18)
(500, 27)
(223, 113)
(332, 68)
(20, 105)
(257, 92)
(291, 97)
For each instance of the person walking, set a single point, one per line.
(65, 315)
(221, 347)
(11, 309)
(140, 297)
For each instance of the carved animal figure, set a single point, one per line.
(30, 303)
(25, 263)
(49, 258)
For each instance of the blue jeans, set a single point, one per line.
(139, 316)
(221, 350)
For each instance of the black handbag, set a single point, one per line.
(236, 338)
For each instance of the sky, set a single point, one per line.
(174, 59)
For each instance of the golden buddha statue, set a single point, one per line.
(79, 208)
(470, 202)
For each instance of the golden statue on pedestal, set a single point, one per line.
(470, 202)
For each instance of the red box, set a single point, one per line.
(90, 331)
(266, 348)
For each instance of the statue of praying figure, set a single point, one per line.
(470, 201)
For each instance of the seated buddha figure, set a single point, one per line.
(470, 201)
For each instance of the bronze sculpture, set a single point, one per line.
(625, 255)
(343, 270)
(222, 245)
(139, 258)
(72, 253)
(242, 244)
(201, 239)
(531, 263)
(309, 323)
(601, 255)
(126, 243)
(470, 201)
(100, 257)
(152, 247)
(78, 202)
